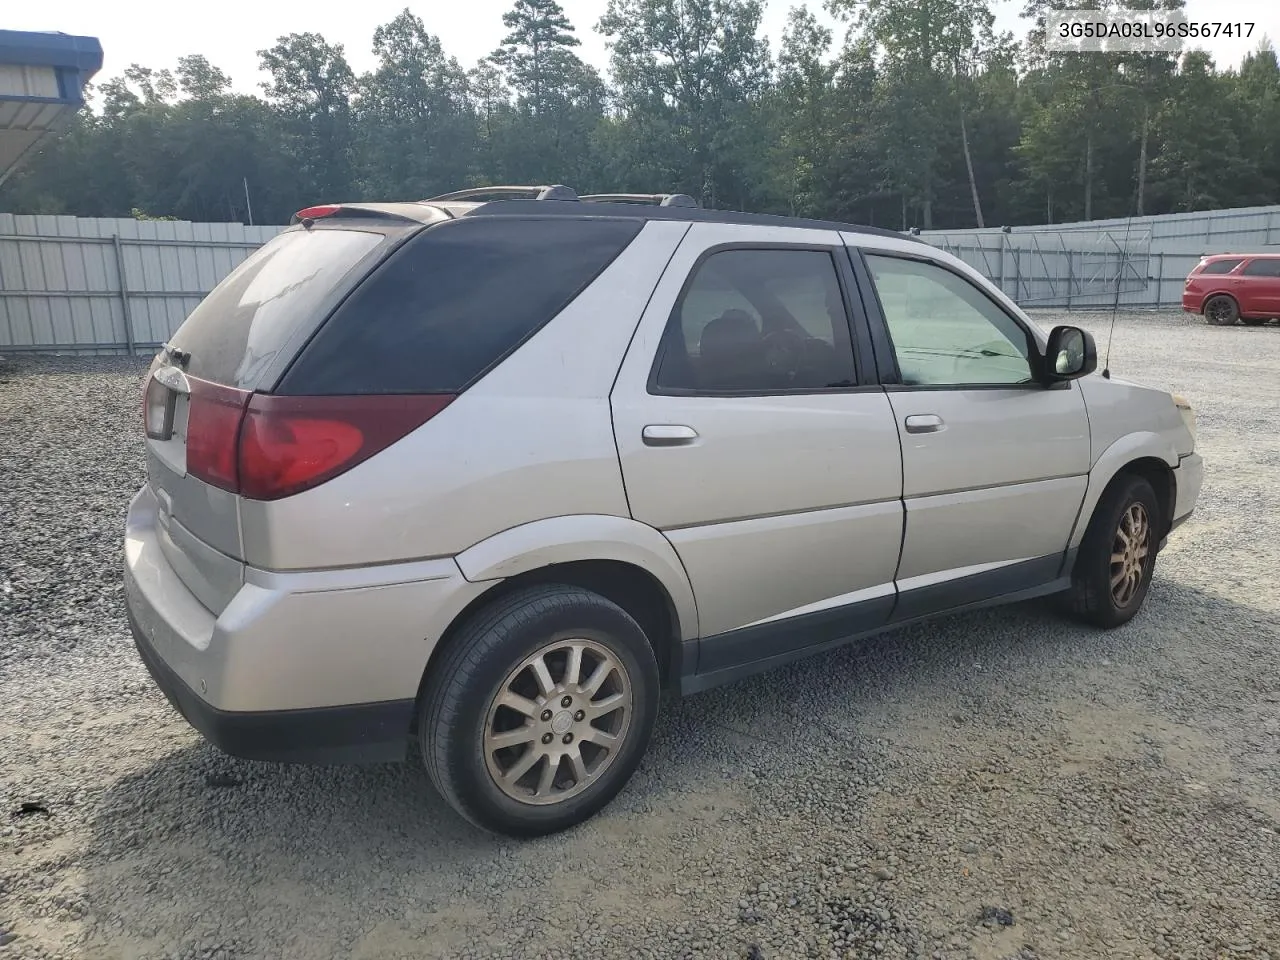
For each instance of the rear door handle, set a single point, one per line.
(924, 423)
(668, 435)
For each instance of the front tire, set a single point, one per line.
(1221, 311)
(540, 710)
(1117, 556)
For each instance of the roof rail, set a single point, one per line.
(555, 191)
(661, 199)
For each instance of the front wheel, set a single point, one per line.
(540, 710)
(1117, 556)
(1221, 311)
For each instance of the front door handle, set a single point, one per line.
(924, 423)
(668, 435)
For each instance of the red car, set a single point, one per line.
(1227, 287)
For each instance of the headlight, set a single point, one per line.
(1188, 415)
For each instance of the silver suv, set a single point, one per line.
(476, 479)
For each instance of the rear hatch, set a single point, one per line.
(237, 341)
(1205, 273)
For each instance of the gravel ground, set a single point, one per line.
(998, 785)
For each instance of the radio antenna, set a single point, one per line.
(1115, 303)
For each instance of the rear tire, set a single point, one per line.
(1221, 311)
(1117, 556)
(512, 734)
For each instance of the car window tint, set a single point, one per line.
(453, 302)
(1263, 268)
(759, 321)
(1220, 266)
(944, 330)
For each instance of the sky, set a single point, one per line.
(230, 32)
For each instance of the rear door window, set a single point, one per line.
(759, 321)
(1269, 267)
(249, 317)
(453, 302)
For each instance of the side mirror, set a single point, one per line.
(1071, 354)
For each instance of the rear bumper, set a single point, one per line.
(365, 733)
(1192, 302)
(312, 666)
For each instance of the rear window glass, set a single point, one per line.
(244, 321)
(453, 302)
(1220, 266)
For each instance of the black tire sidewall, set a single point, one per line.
(1096, 548)
(552, 613)
(1235, 311)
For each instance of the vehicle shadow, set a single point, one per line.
(201, 849)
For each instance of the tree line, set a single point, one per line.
(922, 115)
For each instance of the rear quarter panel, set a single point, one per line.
(533, 439)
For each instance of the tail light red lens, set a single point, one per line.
(290, 444)
(213, 431)
(267, 447)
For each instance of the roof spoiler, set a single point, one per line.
(308, 215)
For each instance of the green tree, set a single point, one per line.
(201, 80)
(1200, 166)
(930, 51)
(803, 106)
(416, 130)
(559, 100)
(536, 54)
(311, 85)
(923, 116)
(1255, 107)
(491, 106)
(690, 77)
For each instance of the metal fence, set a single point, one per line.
(74, 285)
(1139, 262)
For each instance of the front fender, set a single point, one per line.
(1132, 446)
(570, 539)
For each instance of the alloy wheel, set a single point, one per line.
(1220, 310)
(1129, 554)
(557, 721)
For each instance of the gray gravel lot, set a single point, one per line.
(998, 785)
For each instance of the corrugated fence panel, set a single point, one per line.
(79, 285)
(1137, 262)
(71, 284)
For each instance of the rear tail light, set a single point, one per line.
(267, 447)
(289, 444)
(213, 431)
(157, 410)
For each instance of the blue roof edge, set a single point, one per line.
(29, 48)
